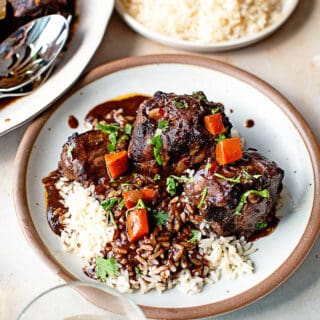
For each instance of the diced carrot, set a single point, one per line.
(117, 163)
(131, 197)
(214, 123)
(228, 150)
(137, 224)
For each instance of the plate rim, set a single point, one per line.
(245, 41)
(256, 292)
(87, 55)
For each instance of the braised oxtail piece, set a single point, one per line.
(169, 134)
(239, 198)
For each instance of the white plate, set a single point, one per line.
(93, 18)
(279, 133)
(288, 7)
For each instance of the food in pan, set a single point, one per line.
(163, 196)
(15, 13)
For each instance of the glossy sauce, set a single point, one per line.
(129, 104)
(249, 123)
(263, 233)
(53, 203)
(73, 122)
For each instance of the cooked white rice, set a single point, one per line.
(85, 234)
(204, 21)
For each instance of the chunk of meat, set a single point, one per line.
(227, 201)
(82, 157)
(35, 8)
(169, 134)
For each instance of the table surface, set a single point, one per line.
(289, 60)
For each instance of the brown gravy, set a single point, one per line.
(54, 206)
(73, 122)
(129, 103)
(249, 123)
(263, 233)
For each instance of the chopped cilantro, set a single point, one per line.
(243, 200)
(173, 181)
(156, 141)
(208, 166)
(121, 204)
(203, 197)
(108, 128)
(199, 95)
(106, 267)
(69, 152)
(215, 110)
(137, 271)
(180, 105)
(163, 124)
(171, 184)
(157, 177)
(113, 139)
(123, 137)
(160, 217)
(193, 236)
(260, 225)
(220, 137)
(234, 181)
(249, 176)
(109, 203)
(128, 129)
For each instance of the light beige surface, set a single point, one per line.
(289, 60)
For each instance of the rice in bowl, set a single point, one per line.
(204, 21)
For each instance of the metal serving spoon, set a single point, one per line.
(30, 52)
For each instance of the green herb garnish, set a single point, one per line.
(106, 267)
(173, 181)
(234, 181)
(248, 176)
(171, 184)
(163, 124)
(113, 139)
(108, 128)
(128, 129)
(203, 197)
(208, 166)
(215, 110)
(157, 177)
(220, 137)
(180, 105)
(137, 271)
(108, 205)
(121, 204)
(69, 152)
(199, 95)
(160, 217)
(156, 141)
(260, 225)
(243, 200)
(193, 236)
